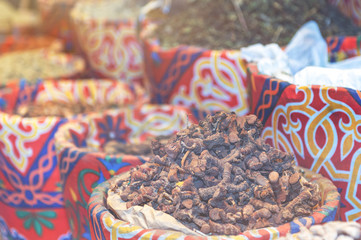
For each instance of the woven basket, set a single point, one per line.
(105, 226)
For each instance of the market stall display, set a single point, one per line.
(104, 132)
(107, 33)
(318, 123)
(31, 194)
(84, 157)
(34, 65)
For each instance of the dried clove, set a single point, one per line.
(221, 186)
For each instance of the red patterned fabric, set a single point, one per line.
(195, 77)
(111, 48)
(83, 169)
(341, 48)
(319, 124)
(31, 192)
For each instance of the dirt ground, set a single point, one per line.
(217, 24)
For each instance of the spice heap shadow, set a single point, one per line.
(220, 177)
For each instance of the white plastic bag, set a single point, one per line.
(307, 48)
(305, 61)
(350, 78)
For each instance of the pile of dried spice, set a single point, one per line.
(60, 109)
(37, 64)
(24, 43)
(220, 177)
(218, 24)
